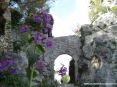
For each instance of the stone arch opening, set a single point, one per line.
(68, 62)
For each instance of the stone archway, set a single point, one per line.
(65, 45)
(60, 61)
(93, 41)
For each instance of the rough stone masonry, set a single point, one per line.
(94, 52)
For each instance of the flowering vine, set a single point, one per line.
(33, 35)
(37, 31)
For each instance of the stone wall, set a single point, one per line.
(64, 45)
(95, 52)
(102, 42)
(97, 43)
(6, 40)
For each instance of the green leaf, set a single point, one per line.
(39, 49)
(35, 73)
(32, 56)
(26, 37)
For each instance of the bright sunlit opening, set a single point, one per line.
(63, 59)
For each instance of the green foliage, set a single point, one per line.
(15, 18)
(26, 37)
(13, 81)
(114, 10)
(39, 49)
(35, 26)
(96, 9)
(32, 57)
(33, 4)
(33, 52)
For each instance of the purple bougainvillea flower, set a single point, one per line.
(37, 19)
(44, 13)
(47, 18)
(5, 64)
(38, 38)
(10, 61)
(49, 27)
(62, 70)
(48, 43)
(13, 71)
(40, 65)
(24, 28)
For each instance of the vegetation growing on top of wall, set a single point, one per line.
(114, 10)
(97, 8)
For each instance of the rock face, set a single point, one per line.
(100, 41)
(106, 19)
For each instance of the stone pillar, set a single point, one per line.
(72, 71)
(6, 39)
(2, 21)
(76, 70)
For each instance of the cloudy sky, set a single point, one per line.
(67, 15)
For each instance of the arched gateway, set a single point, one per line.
(65, 45)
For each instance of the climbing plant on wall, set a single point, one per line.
(31, 25)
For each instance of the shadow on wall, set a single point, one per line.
(2, 20)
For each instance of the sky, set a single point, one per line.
(68, 14)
